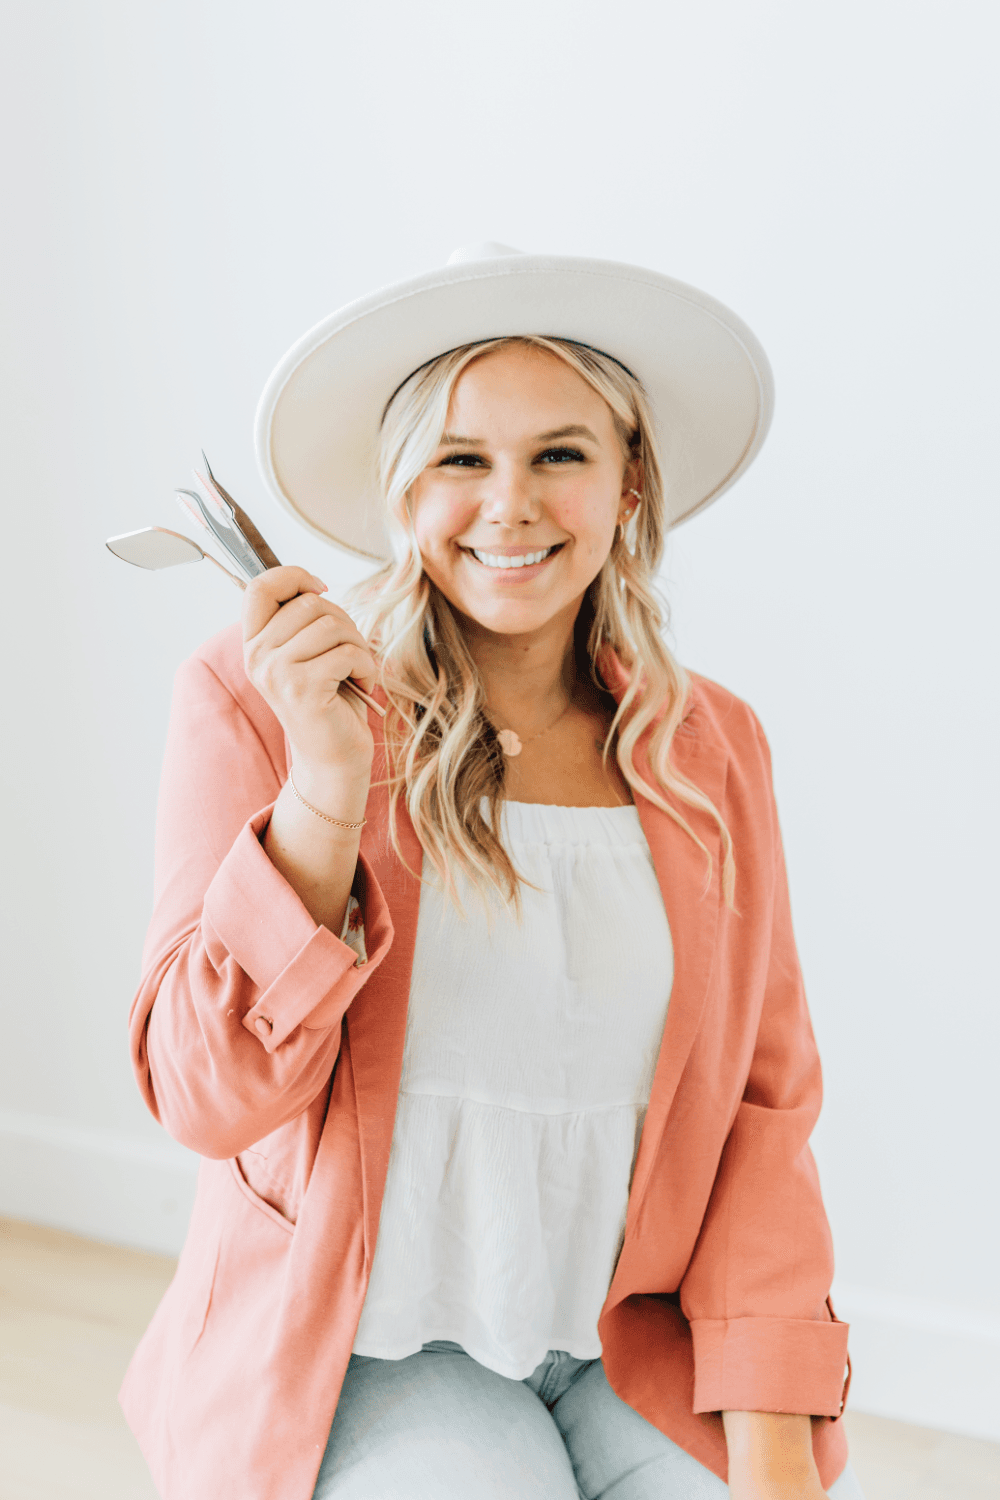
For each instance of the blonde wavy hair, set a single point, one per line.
(442, 754)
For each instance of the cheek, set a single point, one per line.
(438, 518)
(590, 519)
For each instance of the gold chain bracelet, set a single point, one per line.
(326, 819)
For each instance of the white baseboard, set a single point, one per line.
(922, 1361)
(918, 1360)
(100, 1183)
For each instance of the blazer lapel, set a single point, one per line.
(692, 906)
(693, 914)
(376, 1017)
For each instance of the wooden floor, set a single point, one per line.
(72, 1310)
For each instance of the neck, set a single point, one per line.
(527, 679)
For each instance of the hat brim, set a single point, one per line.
(318, 420)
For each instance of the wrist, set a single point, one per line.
(770, 1454)
(338, 794)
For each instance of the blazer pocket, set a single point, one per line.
(252, 1196)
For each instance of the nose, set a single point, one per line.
(509, 497)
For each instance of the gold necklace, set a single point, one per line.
(512, 744)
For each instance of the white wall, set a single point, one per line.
(193, 184)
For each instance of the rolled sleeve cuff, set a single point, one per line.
(304, 974)
(770, 1364)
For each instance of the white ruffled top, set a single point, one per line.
(527, 1067)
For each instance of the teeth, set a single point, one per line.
(524, 560)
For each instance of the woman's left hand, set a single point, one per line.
(771, 1456)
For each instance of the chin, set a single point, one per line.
(511, 621)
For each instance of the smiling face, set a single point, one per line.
(516, 511)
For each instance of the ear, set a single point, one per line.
(631, 480)
(632, 476)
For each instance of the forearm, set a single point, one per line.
(236, 1025)
(318, 859)
(771, 1456)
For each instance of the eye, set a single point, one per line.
(461, 460)
(562, 455)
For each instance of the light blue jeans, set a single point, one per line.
(441, 1426)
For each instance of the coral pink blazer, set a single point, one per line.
(259, 1043)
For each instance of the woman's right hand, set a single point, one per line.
(298, 648)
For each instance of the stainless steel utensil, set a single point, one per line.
(229, 524)
(228, 536)
(241, 520)
(155, 547)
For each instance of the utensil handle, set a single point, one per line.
(360, 693)
(231, 576)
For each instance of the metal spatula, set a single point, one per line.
(155, 547)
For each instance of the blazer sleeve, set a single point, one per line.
(235, 1027)
(756, 1291)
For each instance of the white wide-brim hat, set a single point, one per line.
(318, 420)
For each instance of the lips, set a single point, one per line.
(506, 564)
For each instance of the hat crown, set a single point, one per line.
(485, 250)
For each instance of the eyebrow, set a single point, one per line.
(454, 440)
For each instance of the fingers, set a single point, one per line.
(281, 614)
(319, 657)
(302, 644)
(299, 613)
(266, 594)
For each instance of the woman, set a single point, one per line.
(506, 1189)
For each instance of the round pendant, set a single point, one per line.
(509, 742)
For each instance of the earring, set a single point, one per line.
(628, 513)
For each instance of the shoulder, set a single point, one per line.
(721, 748)
(215, 670)
(714, 711)
(222, 654)
(714, 722)
(718, 723)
